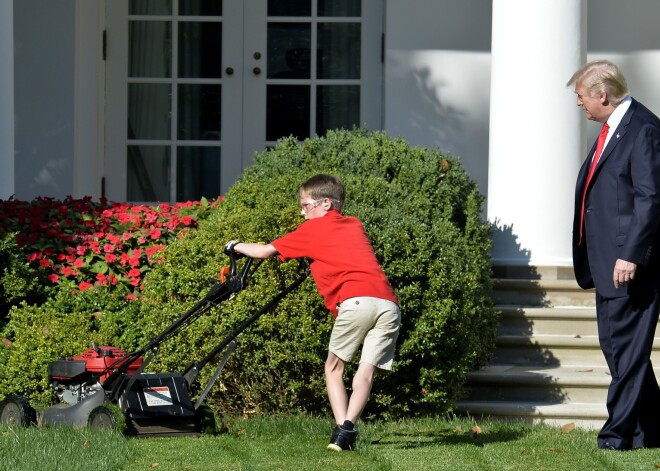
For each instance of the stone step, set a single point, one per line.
(541, 293)
(583, 415)
(521, 320)
(548, 350)
(554, 350)
(547, 365)
(549, 384)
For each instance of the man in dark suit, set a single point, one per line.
(616, 249)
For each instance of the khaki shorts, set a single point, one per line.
(371, 322)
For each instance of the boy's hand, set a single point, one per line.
(229, 246)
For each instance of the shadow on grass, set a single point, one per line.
(447, 436)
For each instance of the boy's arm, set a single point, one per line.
(254, 250)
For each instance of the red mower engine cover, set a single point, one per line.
(99, 362)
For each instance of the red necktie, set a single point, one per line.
(599, 150)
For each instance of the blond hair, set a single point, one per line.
(602, 76)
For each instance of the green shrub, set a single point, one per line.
(423, 215)
(17, 282)
(63, 326)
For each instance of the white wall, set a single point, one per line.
(628, 34)
(7, 99)
(88, 108)
(44, 97)
(436, 93)
(437, 75)
(438, 72)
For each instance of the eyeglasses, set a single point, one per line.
(307, 207)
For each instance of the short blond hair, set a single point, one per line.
(602, 76)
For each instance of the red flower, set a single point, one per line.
(75, 233)
(34, 256)
(114, 239)
(84, 285)
(102, 280)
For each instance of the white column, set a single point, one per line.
(6, 98)
(536, 129)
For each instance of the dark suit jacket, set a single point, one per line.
(622, 207)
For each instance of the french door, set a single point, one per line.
(195, 87)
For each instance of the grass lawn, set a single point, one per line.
(298, 443)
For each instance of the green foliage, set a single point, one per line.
(17, 283)
(65, 270)
(63, 326)
(292, 443)
(423, 215)
(63, 448)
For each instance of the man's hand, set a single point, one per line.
(624, 272)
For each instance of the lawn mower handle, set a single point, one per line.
(234, 282)
(192, 371)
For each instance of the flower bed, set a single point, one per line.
(80, 243)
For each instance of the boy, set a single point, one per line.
(354, 289)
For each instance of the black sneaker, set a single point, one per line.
(342, 439)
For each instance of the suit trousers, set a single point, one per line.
(626, 328)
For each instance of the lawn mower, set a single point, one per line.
(105, 387)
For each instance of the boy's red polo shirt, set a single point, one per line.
(342, 261)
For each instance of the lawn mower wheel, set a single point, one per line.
(16, 410)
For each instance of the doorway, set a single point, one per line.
(195, 88)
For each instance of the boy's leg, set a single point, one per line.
(334, 380)
(362, 382)
(344, 435)
(342, 407)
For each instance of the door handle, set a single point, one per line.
(256, 71)
(229, 71)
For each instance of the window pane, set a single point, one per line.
(338, 51)
(288, 111)
(288, 50)
(340, 8)
(337, 106)
(197, 173)
(150, 7)
(199, 112)
(200, 7)
(149, 49)
(148, 176)
(200, 50)
(149, 106)
(289, 8)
